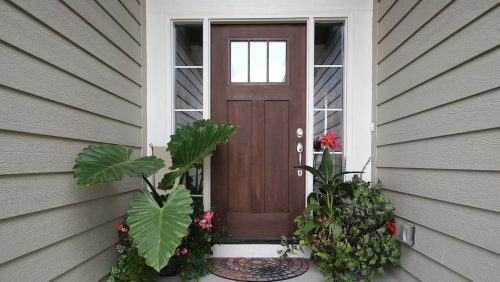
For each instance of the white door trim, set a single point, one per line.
(357, 17)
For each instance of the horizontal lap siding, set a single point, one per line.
(71, 75)
(438, 132)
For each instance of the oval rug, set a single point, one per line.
(258, 269)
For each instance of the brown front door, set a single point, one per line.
(258, 82)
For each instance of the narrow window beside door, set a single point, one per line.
(188, 89)
(328, 86)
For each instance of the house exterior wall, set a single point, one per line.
(71, 75)
(437, 139)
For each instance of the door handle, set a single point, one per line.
(300, 149)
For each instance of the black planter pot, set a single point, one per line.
(171, 269)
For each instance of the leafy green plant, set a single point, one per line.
(130, 266)
(196, 248)
(157, 223)
(347, 224)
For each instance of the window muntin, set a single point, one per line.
(188, 89)
(328, 87)
(258, 61)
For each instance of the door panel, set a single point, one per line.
(255, 186)
(276, 156)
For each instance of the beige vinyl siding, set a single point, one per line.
(437, 137)
(72, 74)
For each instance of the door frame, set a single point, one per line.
(345, 17)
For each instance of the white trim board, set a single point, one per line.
(356, 14)
(253, 250)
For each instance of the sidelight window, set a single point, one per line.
(328, 87)
(188, 89)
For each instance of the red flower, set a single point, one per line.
(184, 251)
(391, 226)
(177, 252)
(329, 140)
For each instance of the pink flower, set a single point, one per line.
(119, 227)
(208, 215)
(124, 230)
(177, 252)
(196, 220)
(184, 251)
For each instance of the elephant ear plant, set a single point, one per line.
(157, 223)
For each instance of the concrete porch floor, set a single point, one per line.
(311, 275)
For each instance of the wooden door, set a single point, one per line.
(254, 185)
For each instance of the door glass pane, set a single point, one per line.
(189, 44)
(258, 61)
(328, 44)
(277, 61)
(189, 89)
(239, 61)
(328, 88)
(183, 118)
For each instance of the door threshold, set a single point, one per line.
(254, 241)
(261, 250)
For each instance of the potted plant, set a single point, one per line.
(156, 225)
(347, 224)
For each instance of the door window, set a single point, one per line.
(258, 61)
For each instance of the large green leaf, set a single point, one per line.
(157, 231)
(101, 164)
(327, 164)
(192, 143)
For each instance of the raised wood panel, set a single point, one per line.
(477, 189)
(40, 192)
(123, 17)
(458, 14)
(47, 263)
(239, 156)
(276, 156)
(475, 113)
(471, 151)
(463, 45)
(26, 153)
(474, 226)
(383, 7)
(26, 113)
(100, 20)
(134, 8)
(453, 85)
(93, 269)
(36, 77)
(25, 233)
(62, 19)
(24, 32)
(413, 22)
(425, 269)
(397, 12)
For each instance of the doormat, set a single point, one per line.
(258, 269)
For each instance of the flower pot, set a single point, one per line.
(172, 268)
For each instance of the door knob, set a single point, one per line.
(300, 149)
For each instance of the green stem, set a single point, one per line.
(155, 194)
